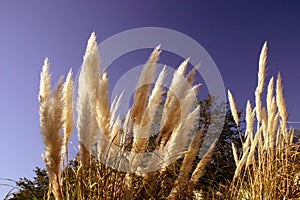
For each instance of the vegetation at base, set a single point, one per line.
(220, 169)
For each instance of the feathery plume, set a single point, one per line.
(262, 68)
(186, 166)
(68, 111)
(235, 156)
(190, 157)
(191, 75)
(50, 125)
(177, 143)
(270, 94)
(281, 108)
(115, 132)
(250, 154)
(280, 99)
(241, 165)
(155, 97)
(260, 81)
(146, 123)
(249, 120)
(127, 126)
(188, 101)
(140, 99)
(199, 171)
(86, 129)
(233, 108)
(102, 106)
(171, 111)
(45, 84)
(86, 102)
(144, 83)
(114, 107)
(178, 85)
(89, 73)
(138, 112)
(271, 108)
(91, 63)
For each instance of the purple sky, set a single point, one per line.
(231, 32)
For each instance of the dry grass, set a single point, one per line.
(51, 113)
(266, 166)
(98, 125)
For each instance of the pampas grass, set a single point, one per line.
(171, 111)
(139, 113)
(265, 164)
(200, 168)
(68, 111)
(87, 87)
(97, 123)
(268, 160)
(51, 111)
(186, 167)
(233, 108)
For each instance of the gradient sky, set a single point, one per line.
(232, 32)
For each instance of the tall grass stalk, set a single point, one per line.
(51, 111)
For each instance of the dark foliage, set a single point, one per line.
(32, 189)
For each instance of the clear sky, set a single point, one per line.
(232, 32)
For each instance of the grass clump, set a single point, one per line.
(102, 132)
(258, 162)
(268, 165)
